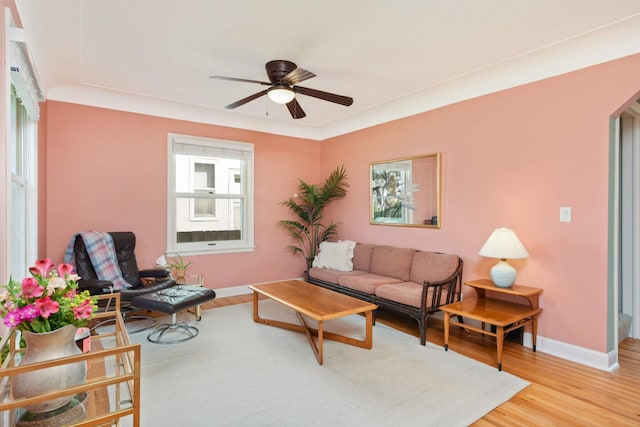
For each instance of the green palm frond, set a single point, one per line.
(335, 186)
(294, 249)
(330, 231)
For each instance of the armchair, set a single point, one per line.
(141, 281)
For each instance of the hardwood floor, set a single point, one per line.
(561, 393)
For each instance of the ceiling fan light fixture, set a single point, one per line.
(281, 95)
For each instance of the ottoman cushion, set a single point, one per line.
(174, 299)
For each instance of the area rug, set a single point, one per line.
(240, 373)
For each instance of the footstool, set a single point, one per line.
(171, 301)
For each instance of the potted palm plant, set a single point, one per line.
(307, 230)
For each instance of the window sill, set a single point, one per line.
(213, 251)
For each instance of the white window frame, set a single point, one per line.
(22, 209)
(246, 244)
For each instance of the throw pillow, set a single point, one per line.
(351, 245)
(335, 255)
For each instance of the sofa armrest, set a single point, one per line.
(437, 290)
(451, 285)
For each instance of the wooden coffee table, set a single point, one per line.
(317, 303)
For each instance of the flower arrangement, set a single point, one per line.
(47, 301)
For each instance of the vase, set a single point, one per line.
(180, 274)
(43, 347)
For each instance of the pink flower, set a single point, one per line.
(46, 301)
(31, 288)
(13, 318)
(55, 283)
(64, 270)
(46, 306)
(42, 267)
(84, 310)
(29, 313)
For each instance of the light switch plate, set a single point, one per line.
(565, 214)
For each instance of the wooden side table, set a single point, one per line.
(506, 316)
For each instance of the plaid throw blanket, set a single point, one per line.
(102, 254)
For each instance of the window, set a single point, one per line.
(23, 113)
(23, 205)
(210, 195)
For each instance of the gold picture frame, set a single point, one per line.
(406, 192)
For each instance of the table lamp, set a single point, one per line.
(503, 243)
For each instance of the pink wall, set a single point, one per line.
(512, 159)
(107, 170)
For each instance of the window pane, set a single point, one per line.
(203, 208)
(204, 175)
(227, 225)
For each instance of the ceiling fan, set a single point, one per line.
(283, 79)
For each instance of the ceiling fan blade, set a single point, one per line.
(245, 100)
(298, 75)
(326, 96)
(295, 109)
(234, 79)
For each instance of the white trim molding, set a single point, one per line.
(23, 74)
(233, 291)
(584, 356)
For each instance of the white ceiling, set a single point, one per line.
(394, 58)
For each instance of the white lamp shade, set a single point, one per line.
(503, 243)
(281, 95)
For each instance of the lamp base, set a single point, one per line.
(503, 274)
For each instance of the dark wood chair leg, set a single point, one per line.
(423, 330)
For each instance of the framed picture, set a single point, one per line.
(406, 191)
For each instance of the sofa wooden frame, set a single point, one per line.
(451, 288)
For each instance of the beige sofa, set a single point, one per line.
(404, 280)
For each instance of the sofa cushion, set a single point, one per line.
(335, 255)
(432, 266)
(392, 262)
(407, 293)
(366, 283)
(362, 257)
(331, 276)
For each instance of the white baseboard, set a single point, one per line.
(584, 356)
(242, 289)
(232, 291)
